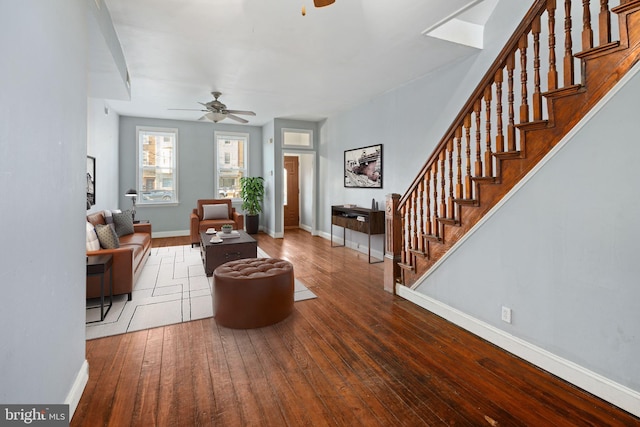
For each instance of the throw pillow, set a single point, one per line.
(108, 219)
(219, 211)
(123, 222)
(107, 236)
(93, 244)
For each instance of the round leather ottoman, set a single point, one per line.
(253, 292)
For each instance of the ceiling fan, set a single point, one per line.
(216, 111)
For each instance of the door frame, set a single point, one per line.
(313, 229)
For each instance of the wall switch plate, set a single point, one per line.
(506, 314)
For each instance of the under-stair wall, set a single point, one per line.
(560, 252)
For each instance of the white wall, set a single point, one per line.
(43, 139)
(102, 143)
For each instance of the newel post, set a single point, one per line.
(393, 244)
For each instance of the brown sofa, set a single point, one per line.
(128, 259)
(198, 224)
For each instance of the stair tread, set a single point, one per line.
(449, 221)
(598, 50)
(432, 237)
(489, 179)
(467, 202)
(508, 155)
(418, 252)
(406, 266)
(565, 91)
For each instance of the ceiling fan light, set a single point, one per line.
(216, 117)
(322, 3)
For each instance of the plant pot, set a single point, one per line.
(252, 223)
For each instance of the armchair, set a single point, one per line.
(203, 217)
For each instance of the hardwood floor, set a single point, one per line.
(356, 355)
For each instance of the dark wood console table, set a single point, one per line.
(363, 220)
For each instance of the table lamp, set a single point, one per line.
(133, 194)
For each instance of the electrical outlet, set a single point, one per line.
(506, 314)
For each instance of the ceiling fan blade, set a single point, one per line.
(322, 3)
(246, 113)
(237, 119)
(185, 109)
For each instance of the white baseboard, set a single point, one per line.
(73, 398)
(600, 386)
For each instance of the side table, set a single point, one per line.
(99, 265)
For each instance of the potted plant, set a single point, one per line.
(252, 193)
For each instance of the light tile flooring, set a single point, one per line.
(172, 288)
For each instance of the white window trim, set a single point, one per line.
(216, 179)
(139, 200)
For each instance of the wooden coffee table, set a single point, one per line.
(215, 254)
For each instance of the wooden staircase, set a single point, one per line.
(488, 149)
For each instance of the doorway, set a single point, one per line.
(291, 196)
(302, 187)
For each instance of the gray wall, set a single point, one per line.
(562, 252)
(43, 140)
(196, 168)
(102, 143)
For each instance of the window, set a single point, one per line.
(298, 138)
(157, 166)
(231, 163)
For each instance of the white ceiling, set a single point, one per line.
(264, 56)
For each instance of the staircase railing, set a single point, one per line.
(489, 128)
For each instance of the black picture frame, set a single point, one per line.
(363, 167)
(91, 181)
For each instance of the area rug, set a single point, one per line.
(172, 288)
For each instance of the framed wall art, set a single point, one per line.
(91, 181)
(363, 167)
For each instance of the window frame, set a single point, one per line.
(220, 135)
(141, 131)
(285, 144)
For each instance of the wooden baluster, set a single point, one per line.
(511, 125)
(468, 189)
(443, 183)
(450, 209)
(393, 245)
(477, 106)
(537, 95)
(604, 23)
(404, 252)
(436, 215)
(459, 187)
(427, 191)
(568, 45)
(488, 155)
(414, 221)
(499, 135)
(421, 231)
(552, 78)
(587, 31)
(524, 105)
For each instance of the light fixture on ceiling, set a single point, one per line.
(215, 116)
